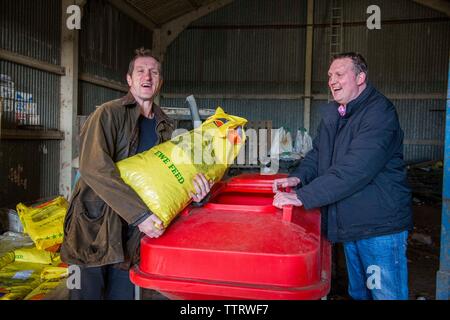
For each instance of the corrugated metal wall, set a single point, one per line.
(258, 47)
(255, 110)
(91, 95)
(408, 56)
(30, 169)
(239, 50)
(108, 39)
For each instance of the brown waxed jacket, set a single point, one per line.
(102, 205)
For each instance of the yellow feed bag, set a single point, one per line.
(42, 290)
(6, 259)
(17, 279)
(54, 273)
(33, 255)
(163, 176)
(44, 223)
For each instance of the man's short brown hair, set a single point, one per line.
(359, 63)
(140, 53)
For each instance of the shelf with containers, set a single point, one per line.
(24, 101)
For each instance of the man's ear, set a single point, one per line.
(361, 78)
(129, 80)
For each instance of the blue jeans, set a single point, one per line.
(377, 267)
(103, 283)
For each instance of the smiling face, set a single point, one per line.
(344, 83)
(145, 81)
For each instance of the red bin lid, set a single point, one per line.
(234, 246)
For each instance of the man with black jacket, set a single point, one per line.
(356, 174)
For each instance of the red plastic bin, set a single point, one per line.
(238, 246)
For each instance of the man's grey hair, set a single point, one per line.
(359, 63)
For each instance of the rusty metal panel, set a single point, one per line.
(416, 35)
(108, 39)
(91, 96)
(31, 28)
(246, 47)
(257, 47)
(236, 61)
(28, 171)
(263, 13)
(39, 89)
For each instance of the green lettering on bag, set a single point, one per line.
(177, 174)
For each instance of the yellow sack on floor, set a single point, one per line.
(54, 273)
(17, 279)
(6, 259)
(40, 292)
(33, 255)
(163, 176)
(44, 223)
(14, 293)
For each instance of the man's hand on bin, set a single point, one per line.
(282, 199)
(202, 187)
(284, 183)
(152, 226)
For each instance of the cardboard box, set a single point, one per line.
(10, 221)
(8, 105)
(24, 96)
(7, 91)
(33, 120)
(5, 78)
(26, 112)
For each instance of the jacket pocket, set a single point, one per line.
(361, 209)
(385, 192)
(88, 232)
(94, 209)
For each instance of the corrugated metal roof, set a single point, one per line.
(257, 13)
(162, 11)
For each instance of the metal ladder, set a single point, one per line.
(336, 31)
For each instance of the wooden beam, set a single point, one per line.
(31, 62)
(308, 64)
(103, 82)
(438, 5)
(193, 4)
(134, 13)
(68, 95)
(170, 30)
(318, 96)
(22, 134)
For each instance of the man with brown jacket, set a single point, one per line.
(106, 218)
